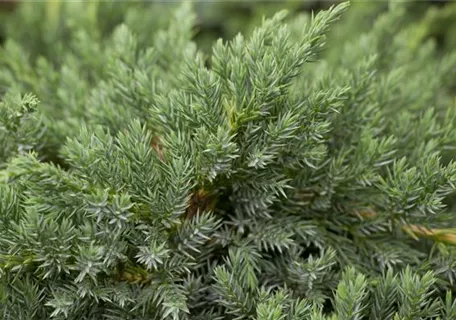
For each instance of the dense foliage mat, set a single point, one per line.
(278, 176)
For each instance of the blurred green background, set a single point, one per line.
(221, 19)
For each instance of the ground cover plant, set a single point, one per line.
(297, 172)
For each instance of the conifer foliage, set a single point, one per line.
(272, 179)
